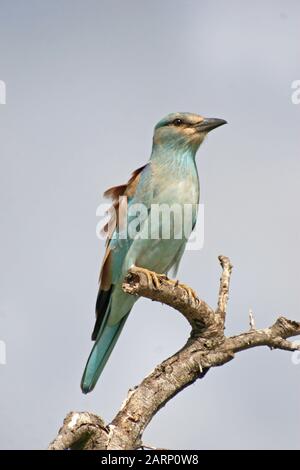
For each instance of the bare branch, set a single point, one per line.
(197, 312)
(207, 347)
(251, 320)
(224, 285)
(81, 431)
(274, 337)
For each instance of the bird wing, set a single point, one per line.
(115, 249)
(172, 271)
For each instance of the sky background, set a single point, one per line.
(86, 83)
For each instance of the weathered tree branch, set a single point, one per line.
(207, 347)
(81, 431)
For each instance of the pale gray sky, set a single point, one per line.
(86, 82)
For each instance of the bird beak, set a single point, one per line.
(208, 124)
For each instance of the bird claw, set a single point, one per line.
(192, 296)
(152, 278)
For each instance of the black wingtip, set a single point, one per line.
(102, 304)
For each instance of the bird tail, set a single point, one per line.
(100, 353)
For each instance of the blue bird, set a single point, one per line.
(170, 177)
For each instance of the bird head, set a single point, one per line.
(184, 131)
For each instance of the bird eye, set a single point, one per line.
(177, 122)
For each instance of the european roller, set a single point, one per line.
(170, 177)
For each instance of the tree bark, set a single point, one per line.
(206, 347)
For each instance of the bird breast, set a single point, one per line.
(176, 189)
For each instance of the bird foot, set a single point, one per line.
(192, 296)
(152, 277)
